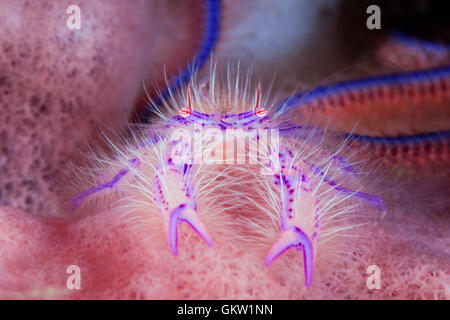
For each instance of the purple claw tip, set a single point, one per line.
(187, 214)
(294, 238)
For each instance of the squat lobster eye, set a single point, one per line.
(259, 111)
(185, 112)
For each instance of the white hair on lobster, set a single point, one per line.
(218, 157)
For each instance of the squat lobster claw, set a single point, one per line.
(293, 237)
(175, 196)
(185, 213)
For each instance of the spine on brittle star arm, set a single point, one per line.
(396, 104)
(417, 150)
(411, 53)
(209, 42)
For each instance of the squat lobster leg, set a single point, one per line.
(299, 219)
(375, 201)
(174, 196)
(76, 200)
(299, 228)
